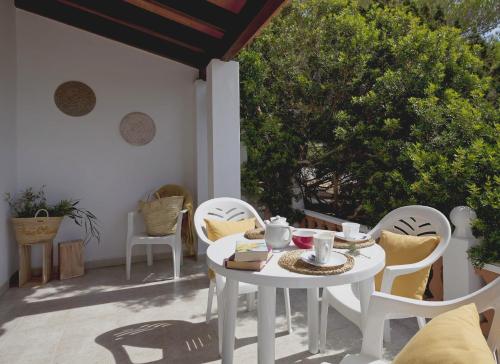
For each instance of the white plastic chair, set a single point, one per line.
(136, 235)
(230, 209)
(384, 306)
(408, 220)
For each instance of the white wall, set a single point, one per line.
(86, 157)
(8, 257)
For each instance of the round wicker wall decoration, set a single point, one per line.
(74, 98)
(137, 128)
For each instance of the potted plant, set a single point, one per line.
(35, 220)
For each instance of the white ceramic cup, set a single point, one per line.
(323, 243)
(350, 229)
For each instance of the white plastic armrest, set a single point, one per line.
(179, 222)
(383, 306)
(393, 271)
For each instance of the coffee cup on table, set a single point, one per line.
(350, 230)
(323, 243)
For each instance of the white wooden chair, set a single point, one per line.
(408, 220)
(384, 306)
(230, 209)
(136, 235)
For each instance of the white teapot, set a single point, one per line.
(278, 234)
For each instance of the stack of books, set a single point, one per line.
(249, 255)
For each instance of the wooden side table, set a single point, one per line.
(25, 277)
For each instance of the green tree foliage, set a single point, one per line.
(363, 109)
(472, 16)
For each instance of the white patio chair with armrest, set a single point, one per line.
(230, 209)
(408, 220)
(384, 306)
(136, 235)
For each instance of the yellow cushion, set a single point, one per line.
(406, 249)
(217, 229)
(453, 337)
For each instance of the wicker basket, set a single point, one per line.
(36, 229)
(160, 216)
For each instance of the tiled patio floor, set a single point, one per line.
(101, 318)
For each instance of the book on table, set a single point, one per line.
(250, 251)
(255, 265)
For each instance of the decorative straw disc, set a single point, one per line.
(137, 128)
(74, 98)
(255, 233)
(345, 245)
(291, 261)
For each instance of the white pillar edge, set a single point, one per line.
(459, 277)
(201, 148)
(223, 105)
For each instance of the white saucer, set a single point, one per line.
(334, 260)
(356, 238)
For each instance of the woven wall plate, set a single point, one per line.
(74, 98)
(137, 128)
(291, 261)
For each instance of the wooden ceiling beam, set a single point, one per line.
(131, 25)
(183, 30)
(137, 16)
(231, 5)
(179, 17)
(95, 24)
(255, 19)
(205, 11)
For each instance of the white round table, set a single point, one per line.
(272, 276)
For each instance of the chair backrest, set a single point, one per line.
(223, 208)
(418, 221)
(383, 305)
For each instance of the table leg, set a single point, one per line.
(229, 321)
(266, 324)
(220, 309)
(366, 288)
(313, 319)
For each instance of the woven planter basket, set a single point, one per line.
(36, 229)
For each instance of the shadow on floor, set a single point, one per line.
(171, 341)
(148, 288)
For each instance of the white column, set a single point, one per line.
(201, 141)
(459, 278)
(223, 98)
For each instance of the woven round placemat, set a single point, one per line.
(345, 245)
(291, 261)
(255, 233)
(74, 98)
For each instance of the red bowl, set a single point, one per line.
(303, 239)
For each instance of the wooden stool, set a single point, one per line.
(25, 263)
